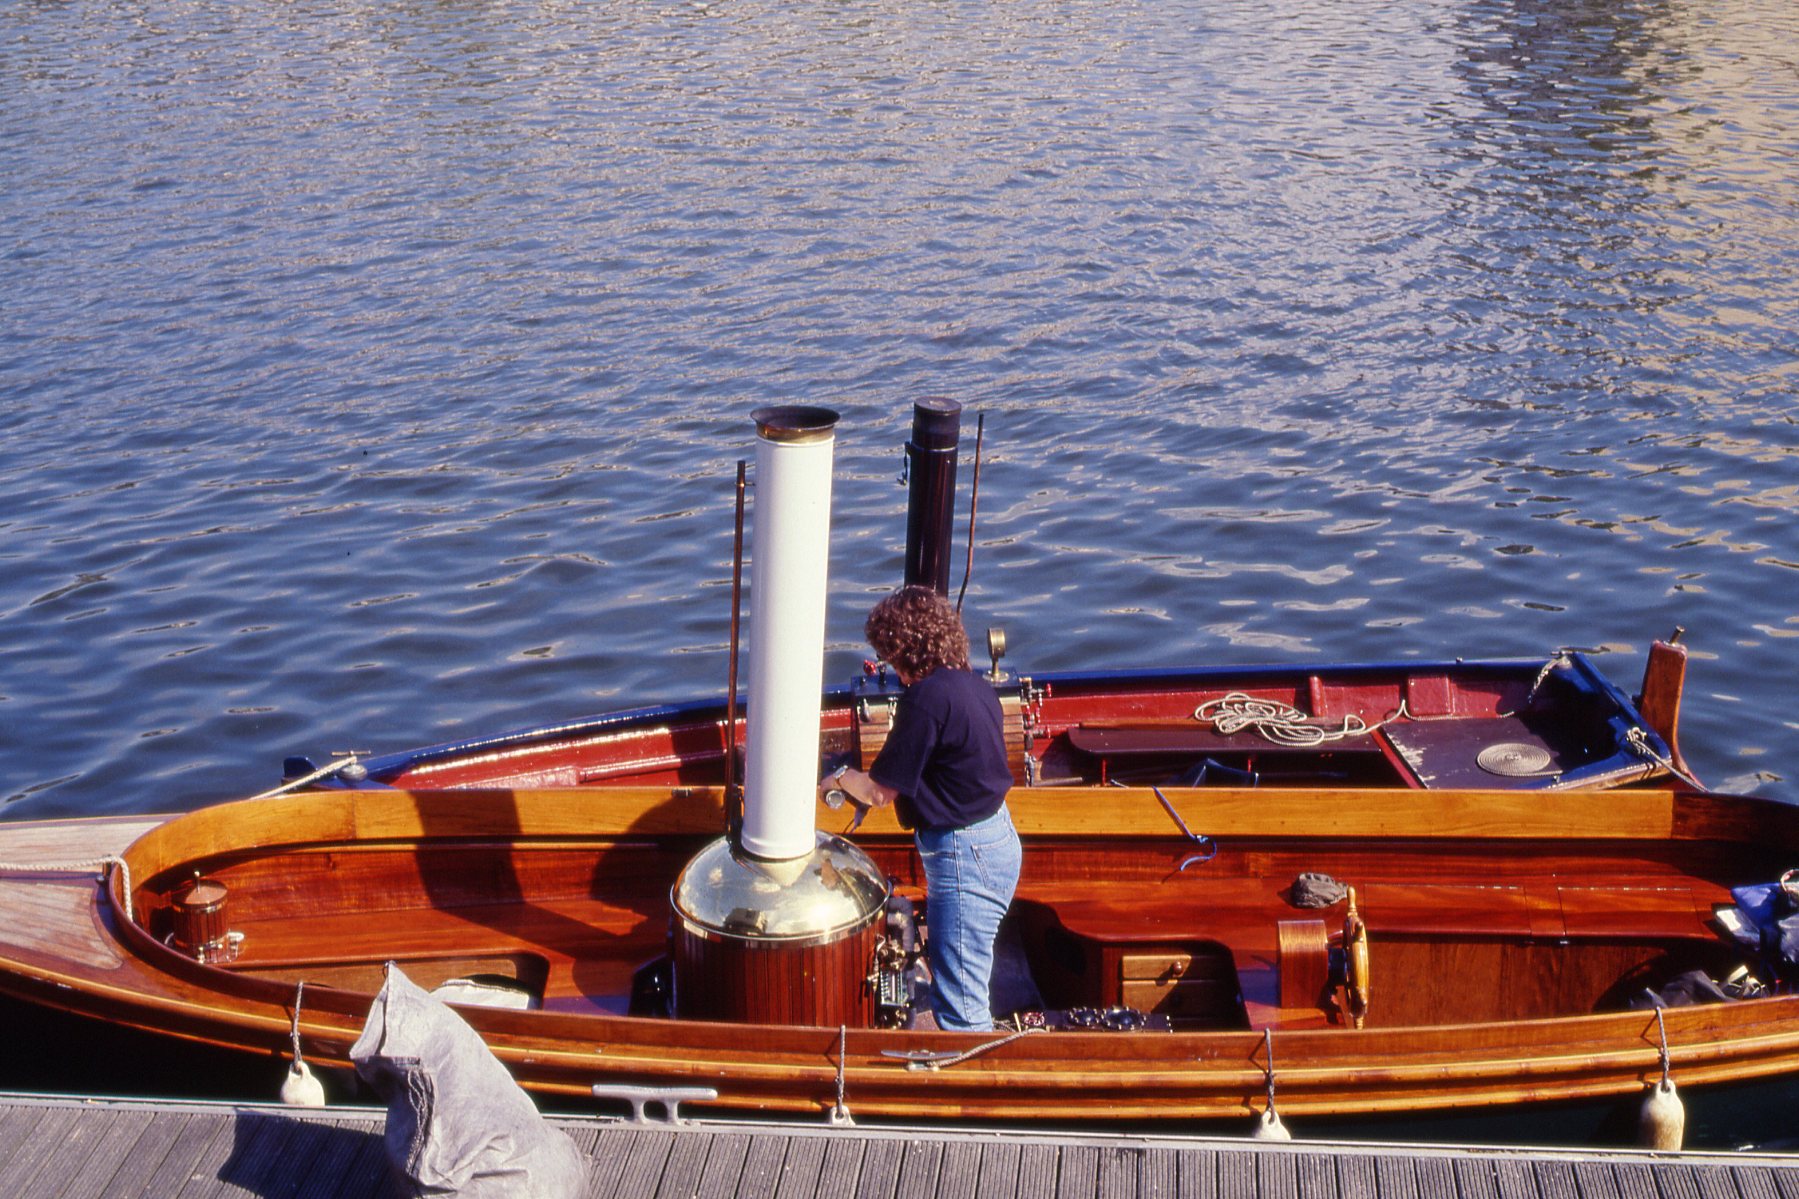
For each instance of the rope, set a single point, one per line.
(99, 864)
(977, 1051)
(1559, 659)
(340, 764)
(840, 1115)
(299, 994)
(1662, 1028)
(1280, 723)
(1638, 742)
(1268, 1043)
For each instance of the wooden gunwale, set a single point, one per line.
(1320, 1070)
(1346, 814)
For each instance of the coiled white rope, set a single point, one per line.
(82, 866)
(1280, 723)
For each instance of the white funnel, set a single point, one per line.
(787, 628)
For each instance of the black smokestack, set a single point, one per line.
(931, 499)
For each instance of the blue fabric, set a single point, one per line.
(1774, 926)
(946, 754)
(970, 875)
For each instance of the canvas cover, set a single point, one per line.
(457, 1123)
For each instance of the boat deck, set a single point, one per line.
(66, 1148)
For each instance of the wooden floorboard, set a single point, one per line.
(763, 1166)
(1236, 1176)
(352, 1163)
(842, 1168)
(1197, 1176)
(881, 1160)
(16, 1126)
(1358, 1178)
(53, 1148)
(20, 1177)
(999, 1171)
(178, 1165)
(801, 1165)
(127, 1174)
(723, 1173)
(918, 1170)
(645, 1155)
(93, 1162)
(959, 1171)
(1596, 1180)
(1158, 1174)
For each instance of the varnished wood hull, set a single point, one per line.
(1515, 915)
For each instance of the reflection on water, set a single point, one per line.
(374, 374)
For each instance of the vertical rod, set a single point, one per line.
(733, 794)
(974, 499)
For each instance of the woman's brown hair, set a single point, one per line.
(917, 630)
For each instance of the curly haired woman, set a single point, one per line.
(944, 768)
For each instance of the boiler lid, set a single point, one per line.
(835, 887)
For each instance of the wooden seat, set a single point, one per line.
(589, 950)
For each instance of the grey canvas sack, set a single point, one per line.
(457, 1123)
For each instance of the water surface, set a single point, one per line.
(372, 375)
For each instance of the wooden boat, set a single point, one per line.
(1161, 964)
(1506, 934)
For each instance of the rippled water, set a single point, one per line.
(372, 374)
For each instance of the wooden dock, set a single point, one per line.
(64, 1148)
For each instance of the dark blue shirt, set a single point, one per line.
(946, 755)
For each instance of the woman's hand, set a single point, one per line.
(861, 789)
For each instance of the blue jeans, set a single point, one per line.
(970, 874)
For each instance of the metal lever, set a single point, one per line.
(1208, 848)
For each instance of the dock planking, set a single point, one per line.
(67, 1148)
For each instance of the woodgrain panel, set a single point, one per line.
(1304, 963)
(767, 982)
